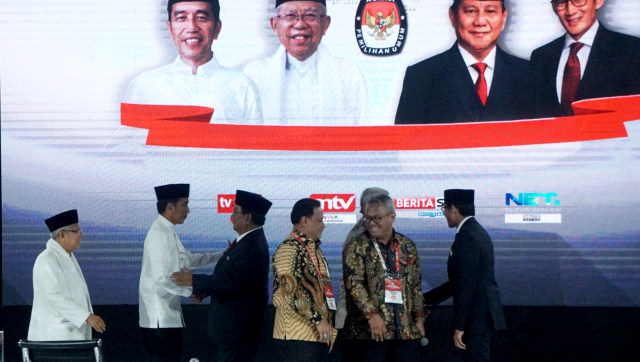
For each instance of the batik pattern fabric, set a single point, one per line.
(298, 290)
(364, 278)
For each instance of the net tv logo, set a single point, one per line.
(533, 199)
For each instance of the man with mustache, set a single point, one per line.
(303, 83)
(61, 304)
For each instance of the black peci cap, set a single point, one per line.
(62, 219)
(458, 197)
(172, 191)
(253, 203)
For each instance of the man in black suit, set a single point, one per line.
(238, 285)
(477, 307)
(441, 89)
(605, 63)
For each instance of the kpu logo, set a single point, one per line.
(533, 199)
(226, 202)
(381, 27)
(336, 202)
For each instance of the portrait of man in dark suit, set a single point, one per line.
(473, 81)
(477, 306)
(589, 61)
(238, 285)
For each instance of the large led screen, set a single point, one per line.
(559, 196)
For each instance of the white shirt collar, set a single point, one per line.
(57, 247)
(243, 235)
(163, 221)
(302, 66)
(205, 69)
(469, 60)
(586, 39)
(462, 223)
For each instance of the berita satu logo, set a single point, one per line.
(381, 27)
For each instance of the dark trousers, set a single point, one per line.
(395, 350)
(295, 351)
(232, 348)
(478, 346)
(163, 344)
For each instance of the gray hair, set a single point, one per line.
(369, 193)
(385, 200)
(56, 233)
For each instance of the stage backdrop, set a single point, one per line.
(558, 196)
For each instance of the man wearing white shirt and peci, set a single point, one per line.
(161, 317)
(61, 304)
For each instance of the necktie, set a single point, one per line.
(481, 83)
(571, 79)
(235, 241)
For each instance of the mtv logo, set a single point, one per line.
(336, 202)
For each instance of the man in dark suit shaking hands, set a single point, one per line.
(238, 285)
(477, 307)
(589, 61)
(473, 81)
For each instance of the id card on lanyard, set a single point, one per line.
(328, 289)
(392, 286)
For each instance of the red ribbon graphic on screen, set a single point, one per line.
(188, 126)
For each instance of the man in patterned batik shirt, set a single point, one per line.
(381, 272)
(302, 293)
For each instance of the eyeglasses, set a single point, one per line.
(309, 18)
(79, 231)
(443, 208)
(376, 219)
(562, 4)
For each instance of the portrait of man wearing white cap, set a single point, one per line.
(302, 83)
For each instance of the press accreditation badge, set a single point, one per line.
(331, 300)
(393, 291)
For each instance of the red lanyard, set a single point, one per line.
(309, 252)
(384, 264)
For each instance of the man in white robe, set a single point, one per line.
(303, 83)
(61, 304)
(161, 317)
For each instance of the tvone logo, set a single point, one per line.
(533, 199)
(336, 202)
(226, 203)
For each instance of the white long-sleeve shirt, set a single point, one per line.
(231, 94)
(164, 254)
(321, 91)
